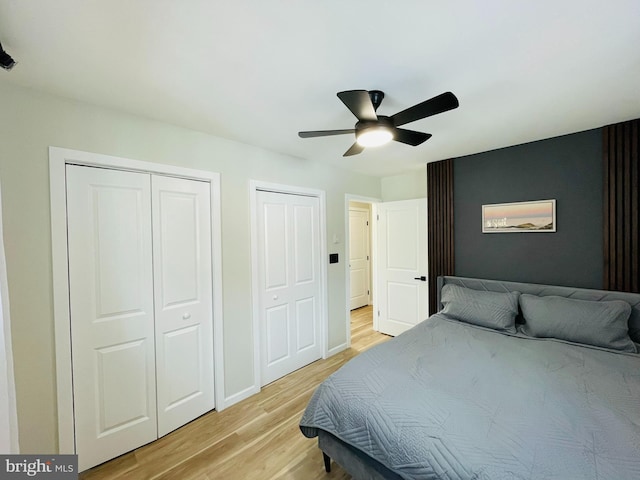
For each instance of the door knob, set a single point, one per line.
(422, 278)
(275, 297)
(186, 316)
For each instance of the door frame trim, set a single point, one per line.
(373, 247)
(58, 159)
(254, 187)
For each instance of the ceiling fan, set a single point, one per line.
(373, 130)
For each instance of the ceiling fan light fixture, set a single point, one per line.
(374, 136)
(6, 61)
(373, 130)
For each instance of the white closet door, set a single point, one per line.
(289, 276)
(183, 300)
(111, 302)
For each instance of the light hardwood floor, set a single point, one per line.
(257, 438)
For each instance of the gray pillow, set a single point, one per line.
(603, 324)
(488, 309)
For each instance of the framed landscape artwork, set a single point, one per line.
(537, 216)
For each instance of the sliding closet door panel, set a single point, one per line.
(111, 302)
(183, 300)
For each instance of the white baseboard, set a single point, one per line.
(241, 395)
(338, 349)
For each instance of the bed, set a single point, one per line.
(508, 381)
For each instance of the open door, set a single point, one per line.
(402, 265)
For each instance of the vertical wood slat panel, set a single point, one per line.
(621, 206)
(440, 224)
(635, 206)
(619, 226)
(606, 215)
(609, 207)
(450, 228)
(626, 200)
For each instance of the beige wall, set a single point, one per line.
(405, 187)
(30, 122)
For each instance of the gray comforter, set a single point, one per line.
(447, 400)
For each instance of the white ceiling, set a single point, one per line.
(259, 71)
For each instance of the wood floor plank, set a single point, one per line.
(258, 438)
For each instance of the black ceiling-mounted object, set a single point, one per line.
(6, 61)
(373, 129)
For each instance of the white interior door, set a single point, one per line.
(402, 265)
(359, 277)
(183, 300)
(111, 304)
(289, 278)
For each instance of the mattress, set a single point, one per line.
(449, 400)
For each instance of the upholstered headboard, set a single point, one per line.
(632, 299)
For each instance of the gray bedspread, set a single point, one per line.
(447, 400)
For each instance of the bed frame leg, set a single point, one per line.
(327, 462)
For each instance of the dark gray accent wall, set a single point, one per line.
(568, 169)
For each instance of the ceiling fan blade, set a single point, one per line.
(410, 137)
(359, 102)
(441, 103)
(325, 133)
(355, 149)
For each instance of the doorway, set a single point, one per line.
(360, 247)
(398, 263)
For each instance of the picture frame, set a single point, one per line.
(538, 216)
